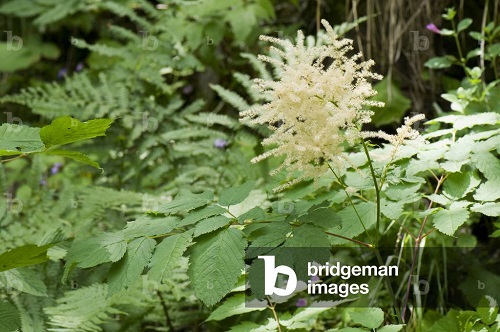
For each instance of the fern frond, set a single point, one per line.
(83, 309)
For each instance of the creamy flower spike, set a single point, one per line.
(314, 109)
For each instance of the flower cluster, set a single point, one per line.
(318, 104)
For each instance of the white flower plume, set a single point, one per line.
(314, 108)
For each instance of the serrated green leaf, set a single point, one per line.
(74, 155)
(368, 317)
(26, 281)
(489, 209)
(488, 164)
(216, 264)
(268, 236)
(307, 235)
(195, 216)
(65, 130)
(26, 255)
(149, 226)
(210, 225)
(438, 63)
(186, 201)
(235, 305)
(16, 139)
(167, 255)
(488, 191)
(458, 185)
(11, 318)
(128, 270)
(448, 221)
(89, 252)
(352, 226)
(237, 194)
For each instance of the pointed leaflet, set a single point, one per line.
(167, 255)
(186, 201)
(216, 263)
(351, 225)
(235, 305)
(368, 317)
(128, 270)
(11, 318)
(108, 247)
(210, 224)
(77, 156)
(26, 255)
(65, 130)
(15, 139)
(447, 221)
(25, 280)
(237, 194)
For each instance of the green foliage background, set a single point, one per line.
(129, 198)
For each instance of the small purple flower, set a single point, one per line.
(55, 168)
(314, 279)
(43, 181)
(79, 67)
(62, 73)
(220, 143)
(301, 302)
(432, 27)
(187, 89)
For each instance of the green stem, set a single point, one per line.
(377, 190)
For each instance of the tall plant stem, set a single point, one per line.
(419, 239)
(377, 190)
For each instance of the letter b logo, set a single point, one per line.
(271, 274)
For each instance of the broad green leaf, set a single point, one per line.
(235, 305)
(352, 226)
(396, 103)
(167, 255)
(438, 62)
(488, 164)
(322, 217)
(301, 319)
(487, 309)
(463, 24)
(75, 155)
(26, 281)
(65, 130)
(216, 264)
(210, 225)
(11, 318)
(368, 317)
(489, 209)
(195, 216)
(149, 226)
(237, 194)
(128, 270)
(17, 139)
(26, 255)
(349, 329)
(89, 252)
(268, 236)
(457, 185)
(488, 191)
(448, 221)
(390, 209)
(447, 323)
(307, 235)
(186, 201)
(468, 121)
(391, 328)
(402, 191)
